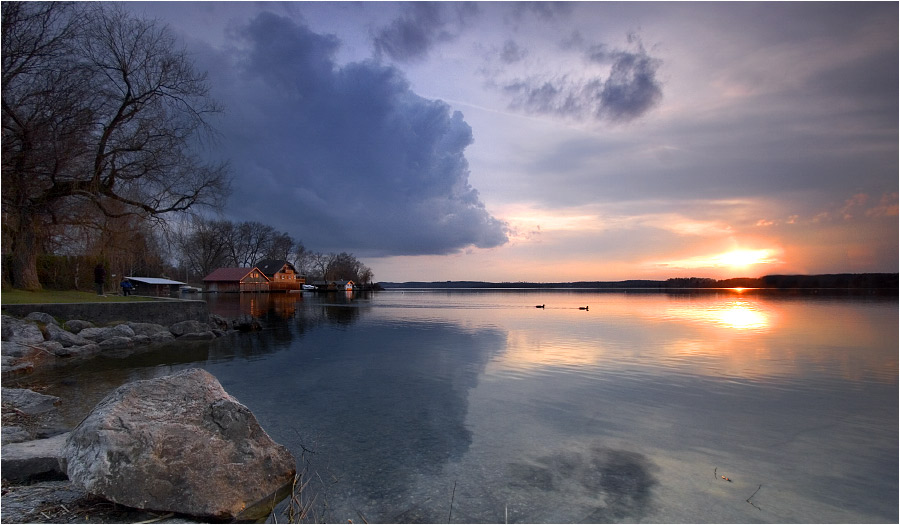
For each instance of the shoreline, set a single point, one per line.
(37, 343)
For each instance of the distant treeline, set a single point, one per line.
(856, 281)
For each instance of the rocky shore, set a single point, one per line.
(37, 446)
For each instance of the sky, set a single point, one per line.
(561, 141)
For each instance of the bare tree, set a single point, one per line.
(204, 245)
(281, 247)
(303, 260)
(249, 241)
(99, 107)
(320, 265)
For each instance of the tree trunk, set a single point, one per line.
(24, 255)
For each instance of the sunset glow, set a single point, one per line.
(568, 141)
(744, 258)
(735, 259)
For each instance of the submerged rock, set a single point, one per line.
(180, 444)
(28, 402)
(29, 415)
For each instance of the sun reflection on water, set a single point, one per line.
(742, 317)
(739, 315)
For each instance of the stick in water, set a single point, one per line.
(751, 497)
(452, 496)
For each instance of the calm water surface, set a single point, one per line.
(475, 406)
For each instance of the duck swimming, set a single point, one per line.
(582, 307)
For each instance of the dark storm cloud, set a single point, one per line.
(345, 158)
(630, 89)
(422, 26)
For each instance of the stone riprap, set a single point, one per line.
(179, 444)
(33, 434)
(164, 312)
(39, 337)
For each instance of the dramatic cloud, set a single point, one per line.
(344, 158)
(423, 25)
(749, 126)
(631, 88)
(627, 90)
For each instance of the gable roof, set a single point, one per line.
(230, 274)
(272, 266)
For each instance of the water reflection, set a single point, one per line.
(619, 413)
(738, 314)
(714, 335)
(259, 305)
(378, 406)
(743, 317)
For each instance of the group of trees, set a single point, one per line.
(103, 118)
(207, 244)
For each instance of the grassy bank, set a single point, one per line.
(13, 296)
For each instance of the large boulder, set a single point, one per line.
(19, 331)
(43, 318)
(180, 444)
(101, 334)
(66, 338)
(148, 329)
(188, 327)
(116, 342)
(77, 325)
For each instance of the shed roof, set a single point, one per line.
(153, 280)
(230, 274)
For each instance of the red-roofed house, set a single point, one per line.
(236, 280)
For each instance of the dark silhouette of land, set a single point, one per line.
(835, 281)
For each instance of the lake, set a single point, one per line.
(474, 406)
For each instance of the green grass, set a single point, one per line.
(13, 296)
